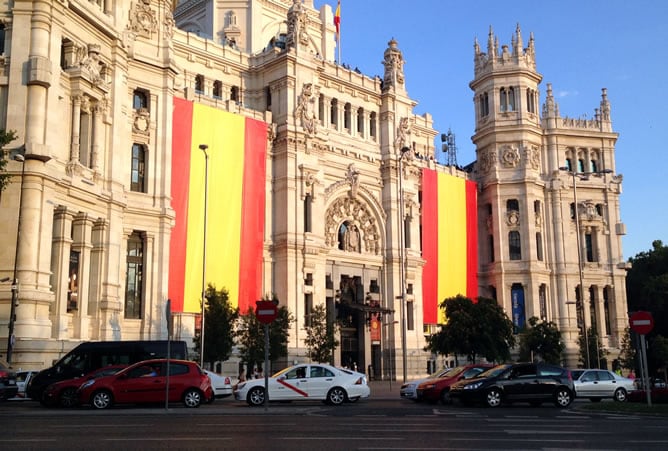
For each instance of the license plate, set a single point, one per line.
(12, 381)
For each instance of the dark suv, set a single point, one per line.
(8, 387)
(534, 383)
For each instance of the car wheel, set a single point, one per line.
(620, 395)
(336, 396)
(493, 398)
(595, 399)
(563, 397)
(68, 398)
(102, 399)
(255, 396)
(445, 397)
(192, 398)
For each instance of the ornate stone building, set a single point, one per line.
(91, 88)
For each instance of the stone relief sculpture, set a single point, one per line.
(510, 156)
(351, 239)
(90, 62)
(513, 218)
(168, 25)
(532, 156)
(357, 214)
(394, 65)
(305, 110)
(297, 25)
(486, 161)
(403, 132)
(142, 19)
(353, 176)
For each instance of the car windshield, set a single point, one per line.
(493, 372)
(453, 371)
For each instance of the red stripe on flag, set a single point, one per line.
(430, 299)
(252, 214)
(471, 240)
(181, 147)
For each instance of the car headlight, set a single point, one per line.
(473, 386)
(87, 384)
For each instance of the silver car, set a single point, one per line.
(598, 384)
(409, 389)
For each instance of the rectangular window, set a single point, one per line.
(590, 247)
(308, 309)
(85, 137)
(73, 282)
(199, 84)
(2, 39)
(410, 317)
(407, 233)
(307, 213)
(514, 245)
(539, 246)
(491, 248)
(542, 299)
(140, 99)
(138, 168)
(134, 275)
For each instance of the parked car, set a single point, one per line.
(408, 390)
(8, 387)
(64, 393)
(222, 385)
(146, 382)
(22, 380)
(597, 384)
(534, 383)
(311, 381)
(658, 393)
(438, 389)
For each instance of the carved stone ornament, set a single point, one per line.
(297, 25)
(353, 176)
(403, 132)
(532, 156)
(305, 110)
(142, 121)
(168, 25)
(486, 161)
(88, 58)
(513, 218)
(355, 213)
(393, 61)
(510, 156)
(143, 19)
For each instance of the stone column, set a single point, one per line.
(76, 125)
(98, 135)
(60, 261)
(82, 226)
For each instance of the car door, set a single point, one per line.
(320, 381)
(142, 384)
(293, 385)
(587, 384)
(521, 382)
(607, 384)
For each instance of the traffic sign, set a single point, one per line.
(266, 311)
(641, 322)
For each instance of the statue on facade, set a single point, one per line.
(351, 238)
(306, 109)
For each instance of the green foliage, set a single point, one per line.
(5, 138)
(475, 330)
(541, 339)
(596, 350)
(250, 336)
(320, 336)
(647, 289)
(658, 352)
(627, 356)
(219, 322)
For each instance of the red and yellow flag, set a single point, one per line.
(337, 18)
(236, 205)
(449, 241)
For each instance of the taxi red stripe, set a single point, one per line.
(291, 387)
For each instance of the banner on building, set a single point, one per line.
(236, 191)
(449, 241)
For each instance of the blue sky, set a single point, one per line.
(581, 47)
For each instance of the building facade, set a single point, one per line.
(93, 90)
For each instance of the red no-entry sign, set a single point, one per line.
(266, 311)
(641, 322)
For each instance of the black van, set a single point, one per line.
(92, 355)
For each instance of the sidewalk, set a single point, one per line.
(385, 389)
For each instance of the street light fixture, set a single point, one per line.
(15, 283)
(580, 303)
(203, 148)
(402, 256)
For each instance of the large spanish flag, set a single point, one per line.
(449, 241)
(237, 149)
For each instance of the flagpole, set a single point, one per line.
(337, 24)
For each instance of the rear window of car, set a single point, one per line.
(176, 369)
(551, 371)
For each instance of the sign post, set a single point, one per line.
(642, 323)
(266, 312)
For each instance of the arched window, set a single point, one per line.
(234, 94)
(512, 205)
(372, 125)
(346, 116)
(218, 89)
(199, 84)
(334, 112)
(511, 99)
(360, 121)
(321, 109)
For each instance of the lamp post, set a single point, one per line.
(203, 148)
(402, 257)
(580, 304)
(15, 281)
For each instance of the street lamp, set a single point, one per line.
(402, 257)
(15, 282)
(580, 303)
(203, 148)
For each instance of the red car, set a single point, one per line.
(435, 390)
(64, 393)
(146, 382)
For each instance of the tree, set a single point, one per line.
(541, 339)
(627, 356)
(658, 353)
(219, 323)
(597, 353)
(320, 336)
(250, 336)
(474, 329)
(5, 138)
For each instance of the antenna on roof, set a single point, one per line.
(449, 146)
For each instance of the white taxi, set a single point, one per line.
(309, 381)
